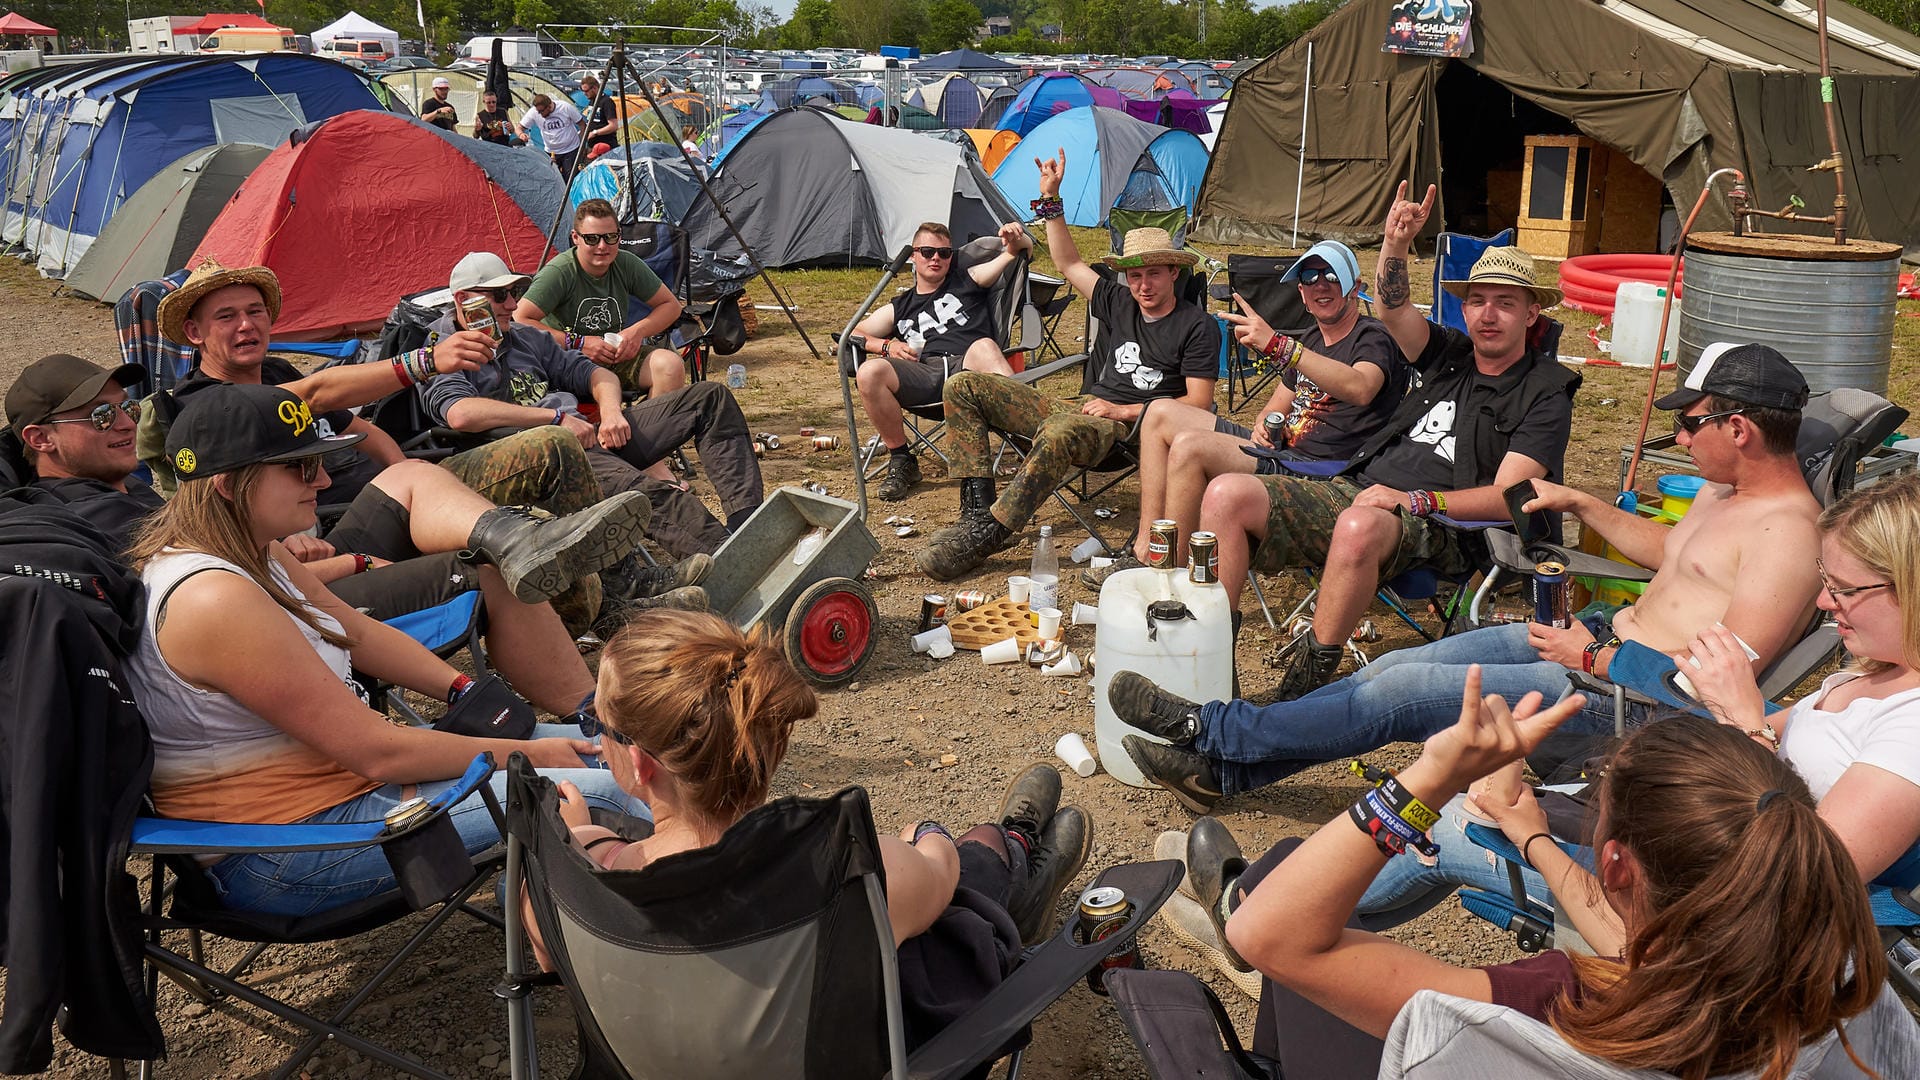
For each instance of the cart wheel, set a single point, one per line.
(829, 631)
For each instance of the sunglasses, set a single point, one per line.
(102, 415)
(935, 252)
(1314, 275)
(307, 467)
(1692, 424)
(594, 239)
(498, 296)
(591, 725)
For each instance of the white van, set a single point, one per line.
(514, 51)
(239, 39)
(364, 50)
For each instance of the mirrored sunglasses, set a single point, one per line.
(101, 417)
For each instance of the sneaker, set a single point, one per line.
(1189, 923)
(1140, 703)
(1214, 865)
(1095, 576)
(1064, 845)
(539, 555)
(1031, 799)
(903, 475)
(615, 612)
(1313, 667)
(1187, 776)
(632, 579)
(965, 549)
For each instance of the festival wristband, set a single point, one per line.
(574, 341)
(1391, 820)
(400, 372)
(422, 365)
(1407, 805)
(362, 563)
(461, 684)
(1364, 818)
(559, 415)
(1048, 207)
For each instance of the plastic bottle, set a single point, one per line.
(1045, 573)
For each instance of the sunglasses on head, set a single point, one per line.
(595, 239)
(1314, 275)
(935, 252)
(1692, 424)
(101, 416)
(307, 467)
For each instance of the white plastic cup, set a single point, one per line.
(1067, 666)
(1019, 587)
(1100, 562)
(614, 339)
(1085, 614)
(924, 642)
(1072, 749)
(1088, 548)
(1049, 623)
(942, 648)
(1001, 652)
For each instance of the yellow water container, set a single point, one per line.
(1677, 492)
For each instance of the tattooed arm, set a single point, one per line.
(1409, 328)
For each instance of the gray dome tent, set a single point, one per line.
(157, 230)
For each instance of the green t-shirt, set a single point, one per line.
(578, 304)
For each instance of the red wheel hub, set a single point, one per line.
(834, 633)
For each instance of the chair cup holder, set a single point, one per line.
(430, 863)
(1539, 552)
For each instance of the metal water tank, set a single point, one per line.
(1828, 308)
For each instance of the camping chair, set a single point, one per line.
(445, 630)
(1453, 257)
(1006, 301)
(704, 328)
(778, 932)
(136, 318)
(1257, 277)
(432, 867)
(1051, 298)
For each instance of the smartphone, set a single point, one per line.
(1533, 527)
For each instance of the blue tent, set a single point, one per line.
(1048, 93)
(645, 180)
(77, 142)
(1111, 155)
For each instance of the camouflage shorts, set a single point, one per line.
(1302, 512)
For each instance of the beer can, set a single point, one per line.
(1103, 913)
(478, 311)
(1162, 538)
(406, 814)
(807, 432)
(1275, 424)
(1203, 559)
(1552, 595)
(826, 442)
(968, 599)
(1367, 631)
(933, 611)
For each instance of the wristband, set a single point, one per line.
(1273, 346)
(1527, 845)
(461, 684)
(1439, 502)
(604, 840)
(1407, 805)
(1048, 207)
(1420, 503)
(559, 415)
(362, 563)
(423, 368)
(1400, 827)
(1590, 655)
(574, 341)
(400, 372)
(1362, 817)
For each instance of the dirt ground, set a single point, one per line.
(887, 732)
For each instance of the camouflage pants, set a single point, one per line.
(1064, 438)
(1302, 512)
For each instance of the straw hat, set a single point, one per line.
(1505, 266)
(211, 277)
(1149, 247)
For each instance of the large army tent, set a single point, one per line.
(357, 211)
(1106, 148)
(164, 221)
(1680, 87)
(77, 141)
(356, 27)
(808, 189)
(962, 60)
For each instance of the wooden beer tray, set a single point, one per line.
(991, 622)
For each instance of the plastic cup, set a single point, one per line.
(1088, 548)
(1100, 562)
(1068, 665)
(1001, 652)
(1085, 614)
(1049, 619)
(941, 648)
(1072, 749)
(1019, 587)
(924, 642)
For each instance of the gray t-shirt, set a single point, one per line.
(528, 366)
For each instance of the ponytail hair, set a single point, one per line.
(1752, 935)
(712, 705)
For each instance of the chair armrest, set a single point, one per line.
(1035, 374)
(1807, 655)
(1511, 554)
(1048, 971)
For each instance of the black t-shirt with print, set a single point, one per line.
(1151, 359)
(945, 321)
(599, 115)
(432, 104)
(1323, 427)
(495, 126)
(349, 470)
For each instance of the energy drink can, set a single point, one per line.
(826, 442)
(968, 599)
(933, 611)
(477, 313)
(1162, 538)
(1552, 595)
(1203, 559)
(1275, 424)
(1103, 913)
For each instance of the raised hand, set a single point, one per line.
(1405, 218)
(1489, 735)
(1051, 173)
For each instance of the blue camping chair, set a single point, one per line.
(1453, 258)
(445, 630)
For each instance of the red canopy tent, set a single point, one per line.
(246, 22)
(14, 23)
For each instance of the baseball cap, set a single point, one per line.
(54, 384)
(231, 425)
(483, 270)
(1750, 374)
(440, 82)
(1346, 268)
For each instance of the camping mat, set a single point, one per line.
(988, 623)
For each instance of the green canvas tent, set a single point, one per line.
(1681, 87)
(153, 233)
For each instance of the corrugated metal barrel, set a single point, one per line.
(1828, 309)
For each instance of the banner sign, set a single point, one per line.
(1430, 28)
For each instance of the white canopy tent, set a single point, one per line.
(356, 27)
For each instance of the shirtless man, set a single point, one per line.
(1744, 557)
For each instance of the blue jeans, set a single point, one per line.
(1409, 888)
(1407, 695)
(305, 882)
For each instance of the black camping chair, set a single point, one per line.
(1257, 277)
(1051, 298)
(778, 932)
(705, 327)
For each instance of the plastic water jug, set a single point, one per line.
(1192, 657)
(1636, 323)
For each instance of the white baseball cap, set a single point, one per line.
(484, 270)
(440, 82)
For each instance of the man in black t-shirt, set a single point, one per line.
(603, 117)
(927, 333)
(437, 110)
(1152, 348)
(492, 123)
(1337, 388)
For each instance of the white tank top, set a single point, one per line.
(214, 759)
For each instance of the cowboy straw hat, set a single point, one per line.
(1149, 247)
(1505, 266)
(207, 278)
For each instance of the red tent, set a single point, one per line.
(366, 208)
(15, 23)
(246, 22)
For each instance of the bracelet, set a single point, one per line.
(1590, 655)
(1765, 733)
(362, 563)
(1528, 844)
(461, 684)
(1420, 503)
(574, 341)
(1389, 843)
(423, 368)
(1407, 806)
(559, 415)
(1439, 502)
(400, 372)
(1391, 819)
(1048, 207)
(1272, 350)
(930, 826)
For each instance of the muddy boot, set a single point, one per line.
(633, 579)
(971, 544)
(1312, 668)
(614, 613)
(976, 497)
(540, 555)
(903, 475)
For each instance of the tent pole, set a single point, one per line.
(1300, 177)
